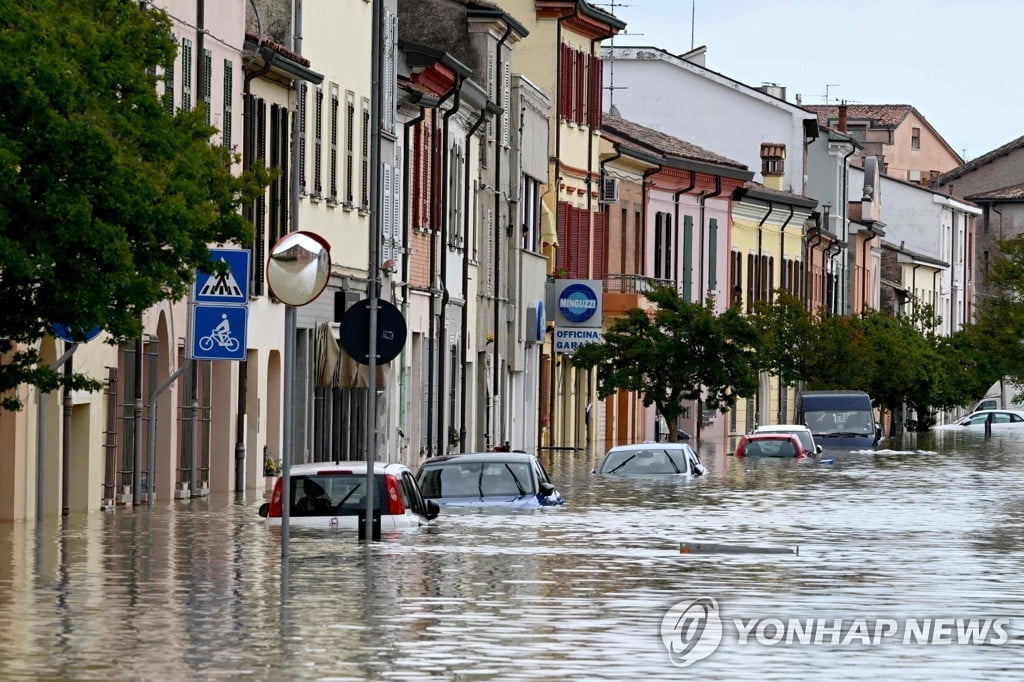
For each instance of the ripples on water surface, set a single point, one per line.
(193, 590)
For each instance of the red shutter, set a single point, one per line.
(562, 230)
(600, 244)
(581, 74)
(576, 239)
(597, 89)
(565, 83)
(586, 239)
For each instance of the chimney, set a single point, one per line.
(842, 117)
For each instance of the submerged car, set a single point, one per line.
(332, 495)
(771, 445)
(661, 459)
(1000, 419)
(801, 431)
(487, 479)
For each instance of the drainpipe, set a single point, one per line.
(935, 292)
(952, 279)
(846, 225)
(407, 219)
(782, 236)
(442, 336)
(602, 164)
(760, 242)
(497, 430)
(809, 260)
(675, 205)
(913, 284)
(435, 180)
(864, 275)
(643, 214)
(703, 202)
(465, 283)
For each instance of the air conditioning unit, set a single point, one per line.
(609, 190)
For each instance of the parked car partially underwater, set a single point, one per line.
(332, 495)
(801, 431)
(652, 459)
(771, 445)
(515, 480)
(1000, 420)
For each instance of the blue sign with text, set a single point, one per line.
(219, 332)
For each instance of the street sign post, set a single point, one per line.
(218, 324)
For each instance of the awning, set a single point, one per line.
(548, 229)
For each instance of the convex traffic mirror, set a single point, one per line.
(299, 267)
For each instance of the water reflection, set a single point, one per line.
(194, 589)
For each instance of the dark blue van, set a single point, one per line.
(839, 419)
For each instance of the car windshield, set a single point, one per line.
(859, 422)
(653, 461)
(328, 494)
(775, 447)
(476, 479)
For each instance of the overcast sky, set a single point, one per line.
(958, 62)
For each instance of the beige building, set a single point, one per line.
(907, 146)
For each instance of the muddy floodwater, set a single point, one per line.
(905, 565)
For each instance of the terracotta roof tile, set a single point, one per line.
(883, 115)
(278, 48)
(1011, 193)
(662, 143)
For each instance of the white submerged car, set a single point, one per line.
(801, 431)
(332, 496)
(1001, 420)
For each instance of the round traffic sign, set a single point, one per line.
(355, 331)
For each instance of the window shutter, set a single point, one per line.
(576, 238)
(659, 229)
(350, 125)
(397, 215)
(332, 194)
(207, 85)
(586, 239)
(688, 258)
(600, 242)
(712, 254)
(669, 255)
(169, 85)
(581, 75)
(318, 131)
(506, 100)
(389, 85)
(229, 87)
(364, 201)
(301, 92)
(387, 206)
(186, 74)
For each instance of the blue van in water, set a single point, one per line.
(839, 419)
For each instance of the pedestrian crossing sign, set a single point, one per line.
(230, 286)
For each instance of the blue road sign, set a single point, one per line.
(62, 332)
(219, 332)
(228, 287)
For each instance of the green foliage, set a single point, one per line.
(107, 202)
(785, 333)
(683, 351)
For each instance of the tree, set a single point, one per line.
(107, 201)
(681, 351)
(786, 331)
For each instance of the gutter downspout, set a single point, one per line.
(864, 275)
(675, 217)
(809, 260)
(442, 434)
(703, 203)
(407, 219)
(435, 179)
(782, 252)
(601, 164)
(952, 266)
(643, 217)
(846, 226)
(760, 251)
(935, 292)
(465, 286)
(913, 284)
(497, 429)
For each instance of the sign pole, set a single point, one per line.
(374, 278)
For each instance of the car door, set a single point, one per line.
(697, 467)
(414, 498)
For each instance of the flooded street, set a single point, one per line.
(194, 590)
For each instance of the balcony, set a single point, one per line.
(624, 292)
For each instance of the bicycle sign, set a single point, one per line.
(219, 332)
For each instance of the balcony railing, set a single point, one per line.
(634, 284)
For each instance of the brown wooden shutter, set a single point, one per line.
(600, 243)
(562, 230)
(575, 238)
(581, 74)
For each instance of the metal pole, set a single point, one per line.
(374, 278)
(137, 427)
(65, 483)
(151, 442)
(193, 481)
(287, 429)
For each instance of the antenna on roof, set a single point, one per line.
(827, 86)
(611, 87)
(693, 21)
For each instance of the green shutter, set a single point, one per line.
(713, 254)
(688, 258)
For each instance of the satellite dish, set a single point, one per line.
(355, 331)
(299, 267)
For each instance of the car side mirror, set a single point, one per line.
(433, 509)
(265, 510)
(546, 489)
(819, 449)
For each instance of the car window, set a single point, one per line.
(652, 461)
(978, 419)
(771, 448)
(542, 475)
(476, 479)
(332, 494)
(1016, 418)
(411, 494)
